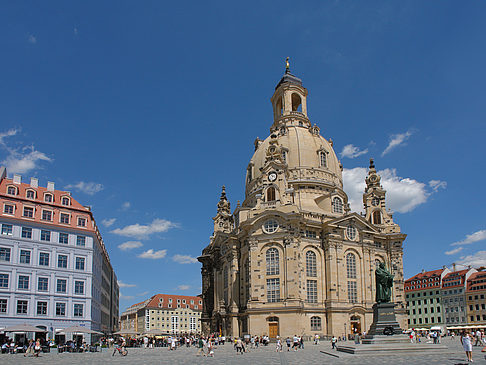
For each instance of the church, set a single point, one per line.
(293, 259)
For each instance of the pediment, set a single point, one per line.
(355, 219)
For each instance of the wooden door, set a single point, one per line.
(273, 330)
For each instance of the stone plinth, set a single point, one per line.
(384, 321)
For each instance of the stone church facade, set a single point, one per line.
(293, 258)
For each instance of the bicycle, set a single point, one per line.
(121, 350)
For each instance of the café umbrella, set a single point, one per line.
(23, 328)
(126, 332)
(79, 329)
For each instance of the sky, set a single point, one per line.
(143, 110)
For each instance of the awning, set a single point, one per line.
(23, 328)
(79, 329)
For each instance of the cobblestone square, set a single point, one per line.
(312, 354)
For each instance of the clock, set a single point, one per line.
(375, 201)
(272, 176)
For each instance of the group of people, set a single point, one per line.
(32, 347)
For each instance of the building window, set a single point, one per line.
(44, 259)
(26, 232)
(43, 284)
(65, 218)
(12, 190)
(30, 194)
(316, 323)
(7, 229)
(28, 212)
(3, 305)
(61, 286)
(65, 201)
(62, 261)
(81, 222)
(284, 156)
(4, 254)
(352, 292)
(42, 308)
(310, 234)
(81, 241)
(351, 232)
(312, 291)
(63, 238)
(79, 287)
(22, 306)
(24, 257)
(377, 217)
(3, 280)
(270, 194)
(337, 205)
(192, 323)
(272, 260)
(45, 236)
(323, 159)
(273, 290)
(46, 215)
(225, 277)
(23, 282)
(311, 264)
(48, 198)
(351, 266)
(80, 263)
(270, 226)
(8, 209)
(60, 309)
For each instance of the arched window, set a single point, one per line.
(272, 258)
(351, 265)
(296, 103)
(323, 159)
(30, 194)
(48, 198)
(377, 217)
(12, 190)
(270, 194)
(316, 324)
(65, 201)
(337, 205)
(279, 107)
(310, 263)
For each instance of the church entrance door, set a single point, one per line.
(355, 324)
(273, 330)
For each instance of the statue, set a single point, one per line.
(384, 282)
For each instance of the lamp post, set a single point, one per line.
(345, 334)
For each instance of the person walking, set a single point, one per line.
(333, 341)
(279, 345)
(466, 342)
(239, 346)
(37, 348)
(302, 342)
(478, 338)
(288, 343)
(200, 345)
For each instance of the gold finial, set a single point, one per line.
(287, 65)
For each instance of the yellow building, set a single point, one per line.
(476, 299)
(293, 258)
(171, 314)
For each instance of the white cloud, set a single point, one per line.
(471, 238)
(20, 160)
(143, 231)
(454, 251)
(476, 260)
(75, 31)
(108, 222)
(437, 184)
(125, 285)
(142, 294)
(351, 151)
(184, 259)
(32, 39)
(129, 245)
(126, 297)
(154, 255)
(184, 287)
(89, 188)
(126, 206)
(403, 194)
(396, 140)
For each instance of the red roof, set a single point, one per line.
(454, 279)
(422, 281)
(477, 281)
(168, 301)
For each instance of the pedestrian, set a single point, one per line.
(288, 343)
(333, 341)
(316, 339)
(466, 342)
(210, 349)
(478, 338)
(30, 349)
(239, 346)
(302, 342)
(200, 345)
(37, 348)
(279, 345)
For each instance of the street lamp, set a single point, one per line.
(345, 333)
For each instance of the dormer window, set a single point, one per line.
(337, 205)
(270, 194)
(12, 190)
(48, 198)
(30, 194)
(65, 201)
(322, 159)
(81, 222)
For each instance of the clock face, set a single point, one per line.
(375, 202)
(272, 176)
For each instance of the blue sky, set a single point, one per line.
(144, 109)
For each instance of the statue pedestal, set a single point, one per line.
(384, 321)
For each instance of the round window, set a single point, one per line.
(270, 226)
(351, 232)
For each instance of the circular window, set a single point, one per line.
(351, 232)
(270, 226)
(375, 201)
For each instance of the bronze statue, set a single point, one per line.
(384, 282)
